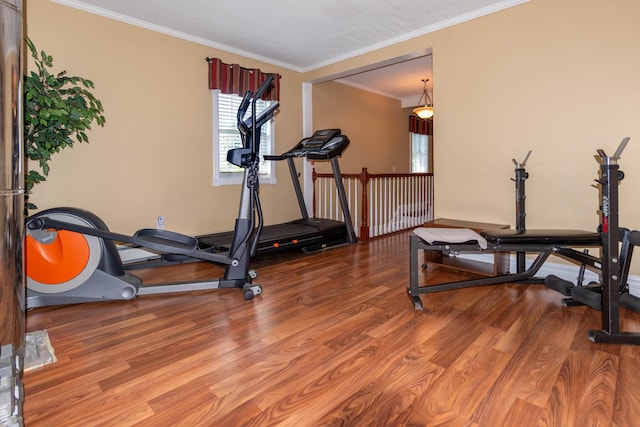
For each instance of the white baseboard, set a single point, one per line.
(564, 271)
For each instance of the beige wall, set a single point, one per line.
(376, 126)
(560, 78)
(154, 155)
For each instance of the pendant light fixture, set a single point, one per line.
(425, 111)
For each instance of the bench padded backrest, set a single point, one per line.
(531, 237)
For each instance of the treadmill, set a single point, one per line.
(306, 234)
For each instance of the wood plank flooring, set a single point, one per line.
(333, 341)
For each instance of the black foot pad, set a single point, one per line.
(588, 296)
(630, 302)
(558, 284)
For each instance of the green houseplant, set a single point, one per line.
(58, 111)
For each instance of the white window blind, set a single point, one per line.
(226, 136)
(419, 153)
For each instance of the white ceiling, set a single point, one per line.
(304, 35)
(401, 80)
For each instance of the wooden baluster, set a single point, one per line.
(364, 225)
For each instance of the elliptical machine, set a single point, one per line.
(71, 256)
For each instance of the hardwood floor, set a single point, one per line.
(333, 340)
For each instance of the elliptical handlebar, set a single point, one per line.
(263, 87)
(267, 114)
(242, 110)
(251, 126)
(254, 143)
(247, 155)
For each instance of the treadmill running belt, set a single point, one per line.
(306, 234)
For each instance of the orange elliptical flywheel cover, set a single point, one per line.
(59, 260)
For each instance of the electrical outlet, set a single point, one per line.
(160, 221)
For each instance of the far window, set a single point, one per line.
(419, 153)
(226, 136)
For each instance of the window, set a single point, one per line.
(419, 153)
(226, 136)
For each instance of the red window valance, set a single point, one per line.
(232, 78)
(420, 126)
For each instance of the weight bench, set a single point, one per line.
(453, 241)
(613, 262)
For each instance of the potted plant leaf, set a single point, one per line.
(58, 111)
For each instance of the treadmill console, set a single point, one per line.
(322, 145)
(319, 138)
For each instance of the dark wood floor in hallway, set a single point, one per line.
(333, 340)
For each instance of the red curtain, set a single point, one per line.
(420, 126)
(232, 78)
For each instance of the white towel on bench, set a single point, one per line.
(450, 235)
